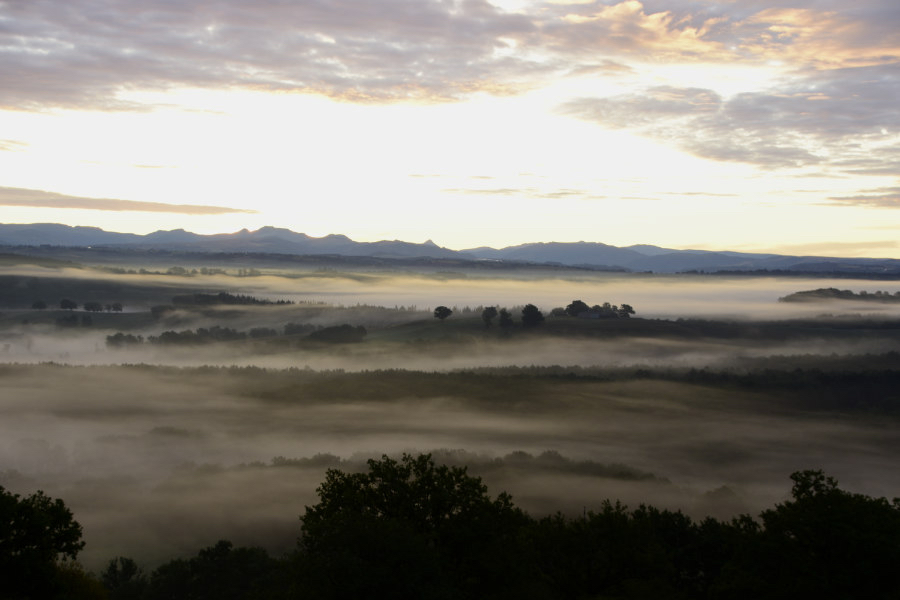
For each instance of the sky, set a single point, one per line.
(753, 125)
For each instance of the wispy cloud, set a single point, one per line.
(41, 199)
(888, 197)
(846, 119)
(846, 249)
(12, 145)
(528, 192)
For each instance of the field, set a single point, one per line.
(705, 400)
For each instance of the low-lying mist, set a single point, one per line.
(156, 462)
(163, 448)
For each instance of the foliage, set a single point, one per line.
(828, 542)
(224, 298)
(202, 335)
(67, 304)
(442, 312)
(121, 340)
(531, 316)
(488, 314)
(220, 572)
(339, 334)
(576, 307)
(823, 294)
(36, 532)
(123, 579)
(409, 529)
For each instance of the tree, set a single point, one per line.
(223, 572)
(123, 579)
(67, 304)
(576, 308)
(506, 320)
(36, 532)
(531, 316)
(830, 543)
(339, 334)
(92, 306)
(488, 314)
(409, 529)
(442, 312)
(625, 311)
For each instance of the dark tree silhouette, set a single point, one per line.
(93, 306)
(36, 533)
(531, 316)
(830, 543)
(222, 572)
(488, 314)
(625, 311)
(67, 304)
(339, 334)
(410, 529)
(576, 308)
(506, 320)
(123, 579)
(442, 312)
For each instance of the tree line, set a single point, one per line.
(91, 306)
(409, 528)
(207, 335)
(532, 316)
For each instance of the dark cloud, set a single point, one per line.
(41, 199)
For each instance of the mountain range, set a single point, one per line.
(593, 255)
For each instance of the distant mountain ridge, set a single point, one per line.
(594, 255)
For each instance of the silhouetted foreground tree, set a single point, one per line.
(221, 572)
(411, 529)
(37, 535)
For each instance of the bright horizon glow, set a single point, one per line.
(682, 136)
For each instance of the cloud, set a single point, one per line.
(528, 192)
(845, 249)
(887, 197)
(85, 52)
(845, 119)
(627, 28)
(91, 53)
(42, 199)
(12, 145)
(825, 39)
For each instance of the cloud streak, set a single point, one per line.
(41, 199)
